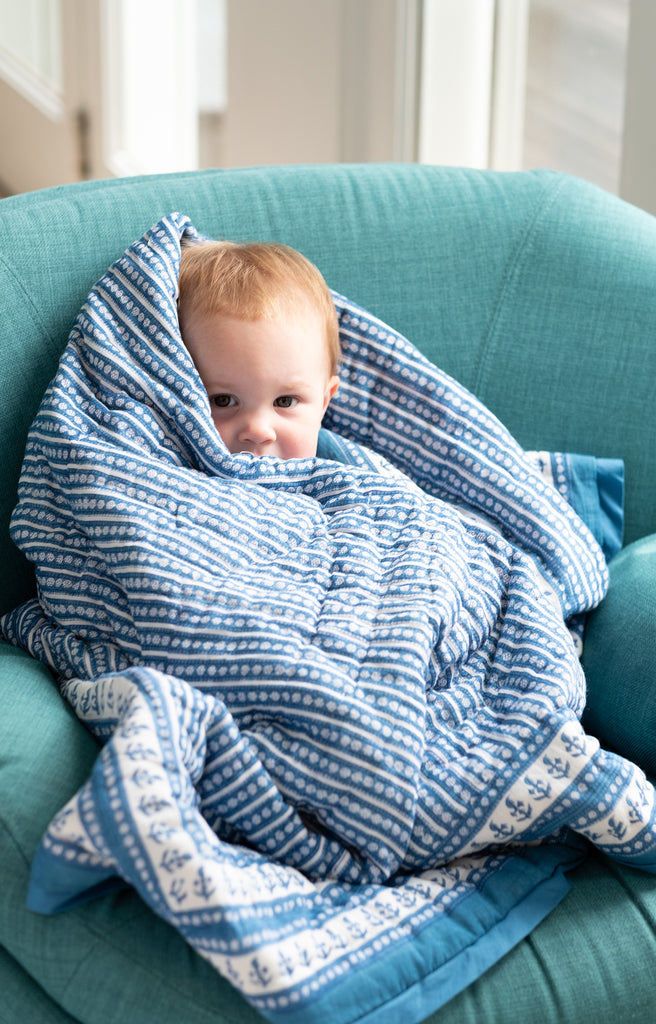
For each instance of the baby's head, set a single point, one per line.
(261, 327)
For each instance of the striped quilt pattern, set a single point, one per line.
(336, 699)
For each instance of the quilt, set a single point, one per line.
(338, 698)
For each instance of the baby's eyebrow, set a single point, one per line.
(218, 385)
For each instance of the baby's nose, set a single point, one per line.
(257, 427)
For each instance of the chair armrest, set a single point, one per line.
(619, 658)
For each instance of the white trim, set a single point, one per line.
(31, 59)
(407, 64)
(509, 84)
(211, 56)
(377, 50)
(637, 179)
(47, 100)
(148, 54)
(456, 82)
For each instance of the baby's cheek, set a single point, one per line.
(222, 428)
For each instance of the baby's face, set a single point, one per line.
(268, 381)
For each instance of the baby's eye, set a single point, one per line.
(222, 401)
(286, 402)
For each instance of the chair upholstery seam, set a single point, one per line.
(544, 202)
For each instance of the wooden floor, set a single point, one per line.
(575, 87)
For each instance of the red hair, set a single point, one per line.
(254, 281)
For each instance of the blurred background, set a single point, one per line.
(102, 88)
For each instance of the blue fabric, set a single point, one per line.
(337, 701)
(594, 487)
(329, 446)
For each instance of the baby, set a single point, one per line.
(261, 327)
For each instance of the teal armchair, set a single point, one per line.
(536, 291)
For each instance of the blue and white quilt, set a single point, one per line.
(338, 698)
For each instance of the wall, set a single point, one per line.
(315, 83)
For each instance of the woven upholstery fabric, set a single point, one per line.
(536, 291)
(618, 657)
(578, 965)
(19, 991)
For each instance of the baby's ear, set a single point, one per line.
(331, 388)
